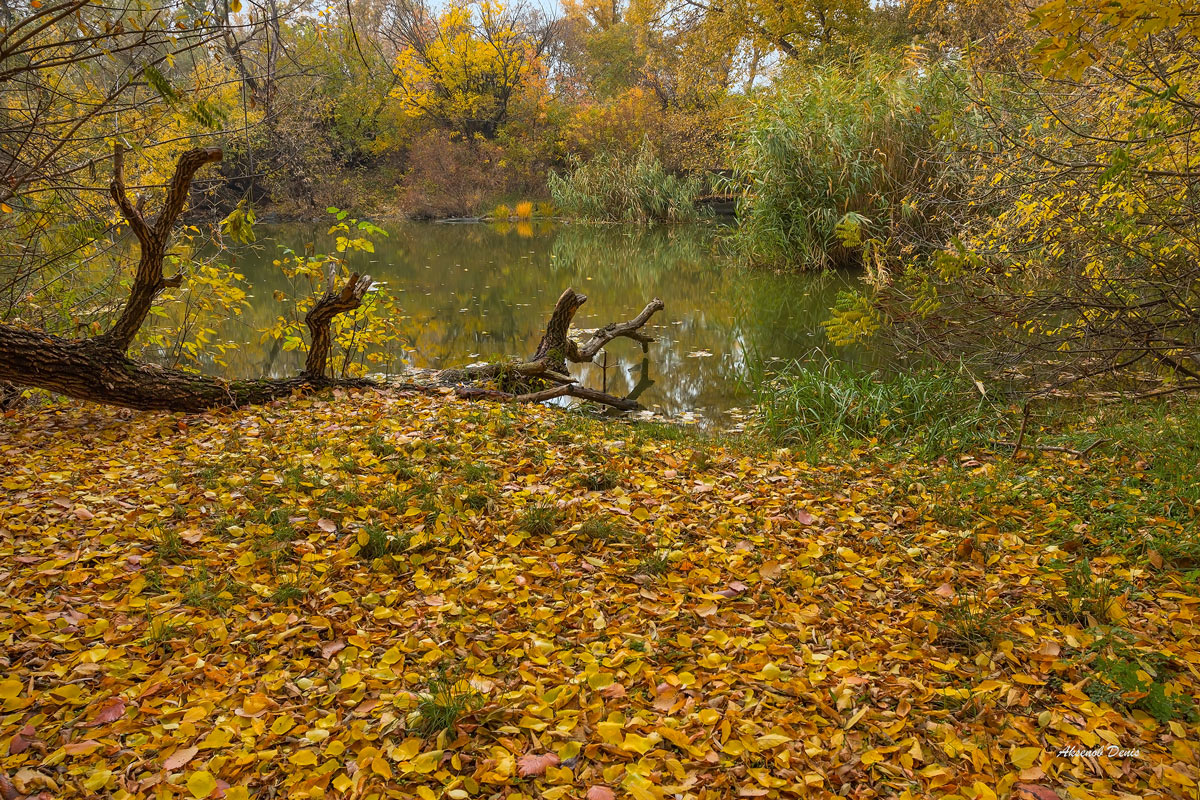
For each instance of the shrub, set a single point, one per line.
(449, 176)
(615, 188)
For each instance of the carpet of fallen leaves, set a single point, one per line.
(272, 603)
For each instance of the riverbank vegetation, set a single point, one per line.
(1015, 185)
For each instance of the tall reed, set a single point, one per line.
(612, 187)
(836, 157)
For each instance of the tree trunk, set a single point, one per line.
(89, 369)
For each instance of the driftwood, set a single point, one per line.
(545, 375)
(100, 369)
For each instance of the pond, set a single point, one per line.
(474, 292)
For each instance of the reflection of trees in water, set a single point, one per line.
(508, 284)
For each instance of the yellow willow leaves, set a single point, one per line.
(278, 601)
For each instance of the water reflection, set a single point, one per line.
(474, 292)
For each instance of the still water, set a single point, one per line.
(473, 292)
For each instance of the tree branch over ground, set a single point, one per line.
(99, 368)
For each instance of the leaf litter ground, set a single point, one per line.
(377, 596)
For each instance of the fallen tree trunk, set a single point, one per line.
(99, 369)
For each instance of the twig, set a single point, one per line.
(1054, 448)
(1021, 433)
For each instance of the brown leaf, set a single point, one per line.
(1036, 792)
(531, 765)
(7, 790)
(330, 649)
(613, 690)
(21, 741)
(770, 570)
(945, 590)
(327, 525)
(599, 792)
(179, 758)
(111, 711)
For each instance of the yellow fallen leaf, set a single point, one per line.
(640, 744)
(1024, 757)
(304, 758)
(201, 784)
(427, 761)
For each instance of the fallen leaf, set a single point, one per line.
(179, 758)
(531, 765)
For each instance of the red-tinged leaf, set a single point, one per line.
(599, 792)
(111, 711)
(7, 790)
(804, 518)
(179, 758)
(83, 747)
(613, 691)
(365, 707)
(945, 590)
(330, 649)
(532, 765)
(18, 744)
(1036, 792)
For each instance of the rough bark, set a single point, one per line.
(321, 316)
(99, 369)
(549, 361)
(152, 239)
(89, 369)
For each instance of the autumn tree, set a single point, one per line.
(464, 67)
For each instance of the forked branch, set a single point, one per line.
(549, 361)
(148, 281)
(319, 318)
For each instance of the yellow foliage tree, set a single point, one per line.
(466, 68)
